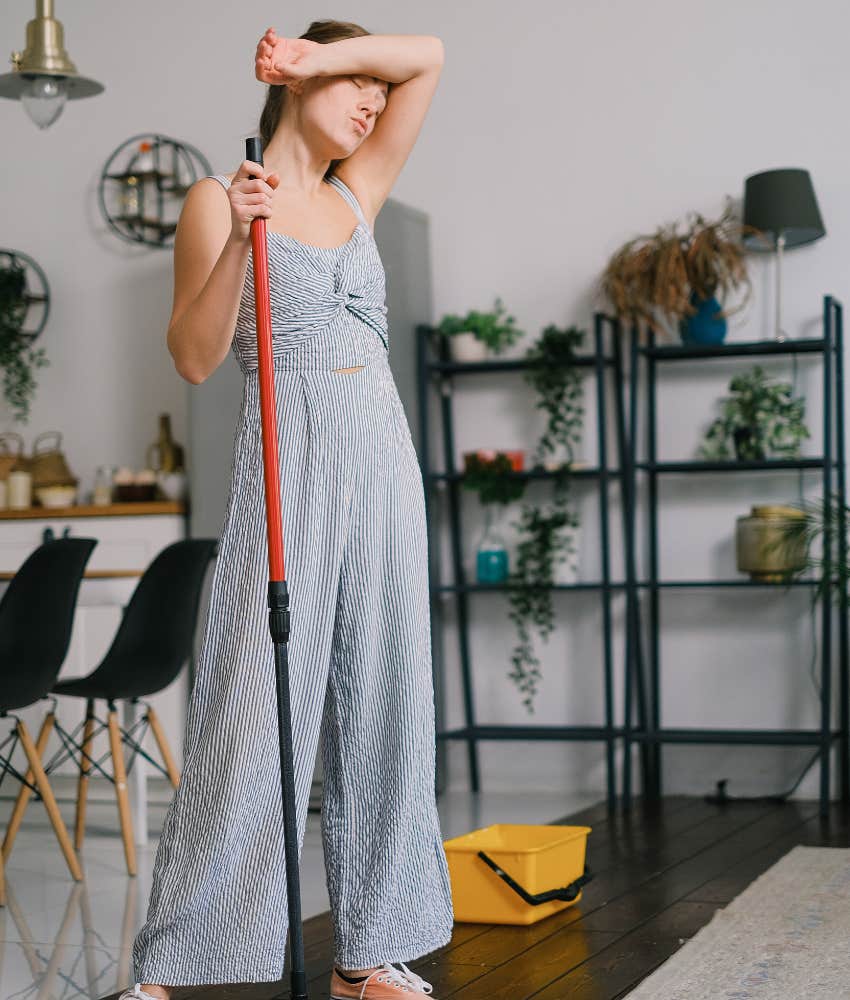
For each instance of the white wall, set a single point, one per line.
(558, 131)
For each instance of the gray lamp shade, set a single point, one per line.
(782, 201)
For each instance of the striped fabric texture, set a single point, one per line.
(355, 544)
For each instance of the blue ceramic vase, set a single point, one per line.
(706, 327)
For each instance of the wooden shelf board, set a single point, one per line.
(134, 509)
(92, 574)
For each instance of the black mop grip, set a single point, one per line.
(279, 610)
(254, 149)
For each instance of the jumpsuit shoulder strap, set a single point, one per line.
(349, 196)
(225, 183)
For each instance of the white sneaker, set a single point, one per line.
(136, 993)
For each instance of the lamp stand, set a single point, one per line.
(778, 333)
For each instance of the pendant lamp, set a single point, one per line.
(44, 77)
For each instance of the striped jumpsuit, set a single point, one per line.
(355, 544)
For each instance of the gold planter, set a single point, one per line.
(769, 543)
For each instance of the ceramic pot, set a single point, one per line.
(173, 484)
(705, 327)
(768, 544)
(467, 347)
(748, 445)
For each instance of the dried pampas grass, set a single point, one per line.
(651, 279)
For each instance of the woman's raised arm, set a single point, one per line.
(411, 64)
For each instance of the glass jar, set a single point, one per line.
(103, 483)
(491, 556)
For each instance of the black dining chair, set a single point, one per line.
(36, 619)
(153, 642)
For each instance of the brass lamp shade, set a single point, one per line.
(45, 55)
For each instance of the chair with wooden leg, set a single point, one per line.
(151, 646)
(36, 620)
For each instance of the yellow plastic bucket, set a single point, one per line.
(518, 861)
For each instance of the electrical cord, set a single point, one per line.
(721, 797)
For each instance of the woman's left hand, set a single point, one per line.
(284, 61)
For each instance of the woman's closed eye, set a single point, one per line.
(357, 81)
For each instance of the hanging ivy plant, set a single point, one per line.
(18, 358)
(560, 388)
(547, 534)
(548, 540)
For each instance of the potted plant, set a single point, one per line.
(547, 548)
(807, 532)
(18, 358)
(758, 420)
(491, 477)
(677, 279)
(473, 336)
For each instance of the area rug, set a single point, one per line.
(786, 937)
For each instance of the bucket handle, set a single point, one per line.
(566, 894)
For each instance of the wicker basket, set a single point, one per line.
(47, 464)
(11, 459)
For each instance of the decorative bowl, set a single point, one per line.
(56, 496)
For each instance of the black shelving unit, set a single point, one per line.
(435, 367)
(643, 674)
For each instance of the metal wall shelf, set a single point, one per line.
(587, 734)
(644, 593)
(495, 365)
(766, 465)
(434, 365)
(746, 737)
(705, 584)
(451, 588)
(580, 473)
(750, 348)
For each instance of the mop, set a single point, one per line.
(278, 595)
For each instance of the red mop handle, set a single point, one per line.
(268, 409)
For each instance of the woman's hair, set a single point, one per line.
(319, 31)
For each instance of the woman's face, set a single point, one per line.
(337, 113)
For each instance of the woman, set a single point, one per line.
(342, 113)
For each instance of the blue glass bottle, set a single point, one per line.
(491, 557)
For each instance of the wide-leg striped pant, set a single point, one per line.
(360, 675)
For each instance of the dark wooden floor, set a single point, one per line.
(660, 874)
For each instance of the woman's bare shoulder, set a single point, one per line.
(205, 213)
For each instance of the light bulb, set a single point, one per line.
(44, 98)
